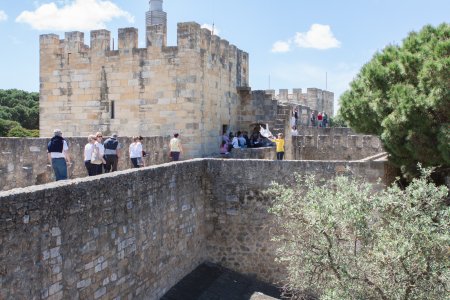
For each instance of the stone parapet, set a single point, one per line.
(23, 161)
(333, 143)
(133, 234)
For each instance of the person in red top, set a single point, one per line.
(320, 119)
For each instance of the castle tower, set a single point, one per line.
(156, 24)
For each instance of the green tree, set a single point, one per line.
(337, 121)
(342, 240)
(19, 131)
(403, 95)
(6, 126)
(20, 106)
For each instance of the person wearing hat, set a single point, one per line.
(112, 153)
(58, 155)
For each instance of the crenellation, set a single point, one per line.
(128, 38)
(74, 42)
(100, 41)
(47, 41)
(189, 36)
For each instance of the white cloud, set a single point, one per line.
(3, 16)
(73, 15)
(318, 37)
(211, 28)
(281, 47)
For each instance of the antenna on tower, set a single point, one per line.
(326, 81)
(212, 32)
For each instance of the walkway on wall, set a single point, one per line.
(211, 281)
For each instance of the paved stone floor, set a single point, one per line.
(212, 282)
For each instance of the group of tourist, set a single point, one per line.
(101, 156)
(321, 120)
(241, 139)
(261, 137)
(231, 141)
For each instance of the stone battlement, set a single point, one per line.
(316, 99)
(190, 37)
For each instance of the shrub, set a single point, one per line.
(342, 240)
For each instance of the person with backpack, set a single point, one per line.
(58, 155)
(112, 153)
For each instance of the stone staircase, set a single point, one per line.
(283, 116)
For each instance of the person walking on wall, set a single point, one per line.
(88, 150)
(135, 151)
(99, 150)
(313, 119)
(320, 119)
(112, 153)
(58, 155)
(295, 114)
(279, 142)
(325, 120)
(144, 154)
(175, 147)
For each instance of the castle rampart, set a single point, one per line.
(316, 99)
(135, 233)
(333, 144)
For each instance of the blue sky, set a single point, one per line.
(295, 43)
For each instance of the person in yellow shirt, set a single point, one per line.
(280, 146)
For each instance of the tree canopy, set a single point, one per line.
(19, 110)
(343, 240)
(403, 95)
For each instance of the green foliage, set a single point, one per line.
(6, 126)
(19, 131)
(342, 240)
(338, 121)
(19, 107)
(403, 95)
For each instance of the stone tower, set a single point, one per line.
(156, 24)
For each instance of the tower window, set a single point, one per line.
(112, 110)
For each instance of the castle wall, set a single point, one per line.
(126, 234)
(257, 107)
(133, 234)
(23, 161)
(243, 228)
(190, 89)
(333, 144)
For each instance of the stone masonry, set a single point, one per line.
(134, 234)
(158, 90)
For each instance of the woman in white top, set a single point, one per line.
(88, 149)
(136, 152)
(175, 147)
(98, 146)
